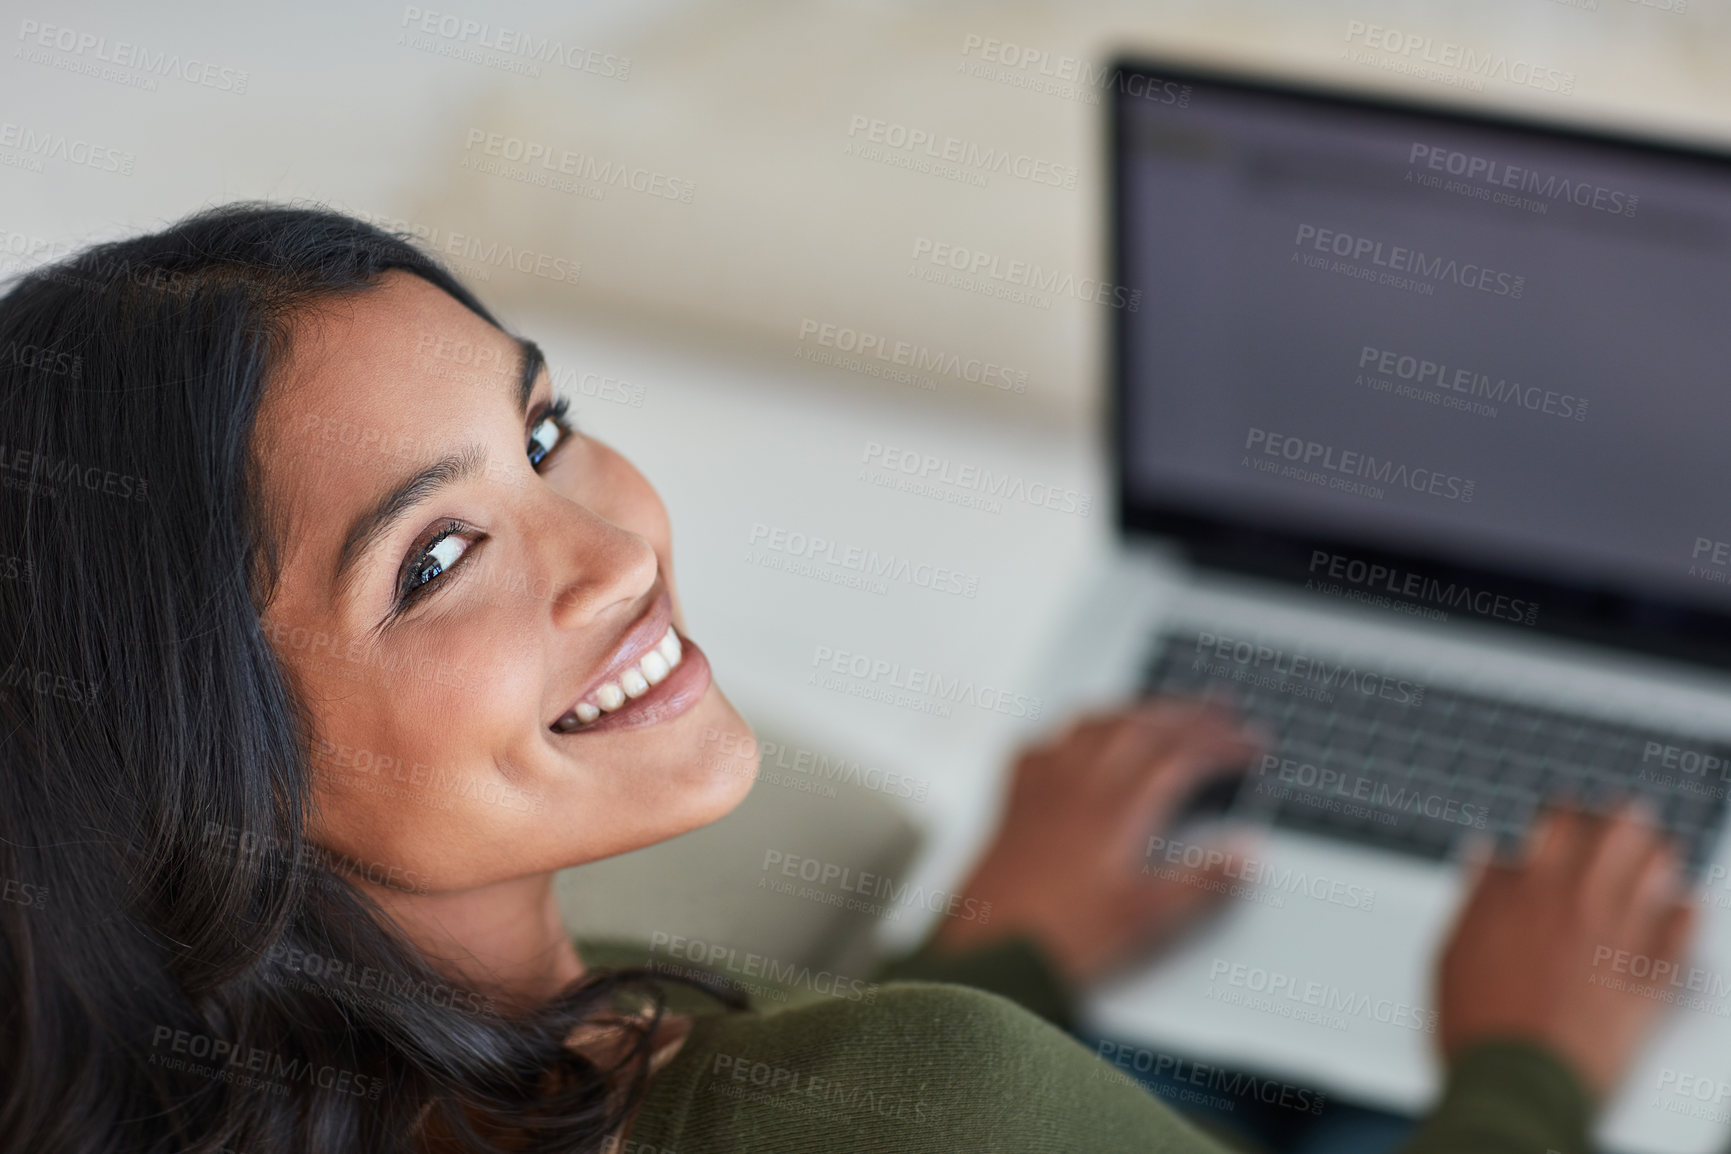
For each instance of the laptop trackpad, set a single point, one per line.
(1319, 972)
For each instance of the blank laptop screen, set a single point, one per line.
(1437, 336)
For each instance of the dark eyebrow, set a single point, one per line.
(373, 524)
(530, 369)
(376, 522)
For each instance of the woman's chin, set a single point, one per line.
(670, 779)
(725, 763)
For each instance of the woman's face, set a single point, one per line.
(446, 600)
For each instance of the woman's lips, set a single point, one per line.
(681, 677)
(629, 669)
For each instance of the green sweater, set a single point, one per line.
(958, 1054)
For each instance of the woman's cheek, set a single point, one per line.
(496, 660)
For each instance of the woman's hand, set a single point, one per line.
(1066, 866)
(1547, 948)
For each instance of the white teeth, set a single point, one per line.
(651, 669)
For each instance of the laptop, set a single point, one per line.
(1421, 432)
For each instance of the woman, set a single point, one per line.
(290, 508)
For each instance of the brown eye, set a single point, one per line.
(440, 554)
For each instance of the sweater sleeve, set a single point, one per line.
(1500, 1096)
(1017, 968)
(1506, 1096)
(919, 1069)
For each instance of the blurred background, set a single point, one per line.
(748, 203)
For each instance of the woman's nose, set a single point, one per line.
(601, 567)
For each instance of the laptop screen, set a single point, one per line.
(1427, 356)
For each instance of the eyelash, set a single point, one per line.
(539, 454)
(556, 414)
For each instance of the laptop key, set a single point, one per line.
(1419, 777)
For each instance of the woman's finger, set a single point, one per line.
(1561, 846)
(1653, 891)
(1185, 768)
(1616, 858)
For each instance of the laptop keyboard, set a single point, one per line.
(1380, 759)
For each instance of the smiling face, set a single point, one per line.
(466, 586)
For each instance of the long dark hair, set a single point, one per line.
(161, 902)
